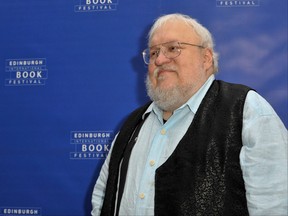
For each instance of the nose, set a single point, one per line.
(161, 58)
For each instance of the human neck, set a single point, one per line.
(167, 115)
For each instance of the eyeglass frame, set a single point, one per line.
(146, 51)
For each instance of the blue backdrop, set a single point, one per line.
(72, 71)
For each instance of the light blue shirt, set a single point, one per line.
(263, 157)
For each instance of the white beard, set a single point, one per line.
(169, 99)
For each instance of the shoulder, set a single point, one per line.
(232, 86)
(257, 105)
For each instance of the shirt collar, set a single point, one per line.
(195, 100)
(193, 103)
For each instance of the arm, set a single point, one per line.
(100, 186)
(263, 158)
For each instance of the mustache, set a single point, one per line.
(164, 68)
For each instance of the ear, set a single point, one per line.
(208, 58)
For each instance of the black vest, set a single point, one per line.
(203, 176)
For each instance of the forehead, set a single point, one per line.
(174, 30)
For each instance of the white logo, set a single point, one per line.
(90, 144)
(95, 5)
(25, 72)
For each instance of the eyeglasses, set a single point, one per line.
(170, 50)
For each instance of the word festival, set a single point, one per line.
(235, 3)
(93, 8)
(25, 82)
(81, 155)
(96, 5)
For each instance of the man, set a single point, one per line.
(202, 147)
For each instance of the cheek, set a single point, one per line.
(151, 72)
(150, 77)
(151, 69)
(190, 73)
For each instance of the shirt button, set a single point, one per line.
(163, 131)
(152, 162)
(141, 195)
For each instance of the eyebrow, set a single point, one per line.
(163, 43)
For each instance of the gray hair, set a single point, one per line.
(200, 30)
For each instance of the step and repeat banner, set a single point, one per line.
(71, 71)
